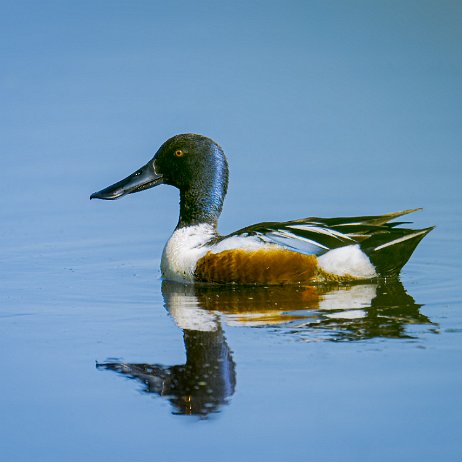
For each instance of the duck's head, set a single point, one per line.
(195, 164)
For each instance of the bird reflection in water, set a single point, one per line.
(198, 387)
(333, 313)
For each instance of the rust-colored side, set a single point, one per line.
(262, 266)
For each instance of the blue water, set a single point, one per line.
(323, 110)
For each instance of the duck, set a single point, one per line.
(302, 251)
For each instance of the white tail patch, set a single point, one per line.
(347, 261)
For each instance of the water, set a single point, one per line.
(346, 111)
(101, 359)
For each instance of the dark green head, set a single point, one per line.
(195, 164)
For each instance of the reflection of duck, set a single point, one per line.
(342, 312)
(207, 380)
(389, 313)
(299, 251)
(199, 386)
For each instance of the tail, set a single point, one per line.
(389, 252)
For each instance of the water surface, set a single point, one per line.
(323, 110)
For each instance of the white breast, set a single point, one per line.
(182, 251)
(189, 244)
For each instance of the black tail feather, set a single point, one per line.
(389, 257)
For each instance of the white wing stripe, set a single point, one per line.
(288, 235)
(400, 239)
(325, 231)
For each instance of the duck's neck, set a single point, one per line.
(201, 205)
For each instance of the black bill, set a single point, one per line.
(144, 178)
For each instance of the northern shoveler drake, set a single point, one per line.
(301, 251)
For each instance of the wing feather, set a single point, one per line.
(316, 235)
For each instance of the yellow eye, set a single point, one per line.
(179, 153)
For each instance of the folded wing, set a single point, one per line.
(387, 245)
